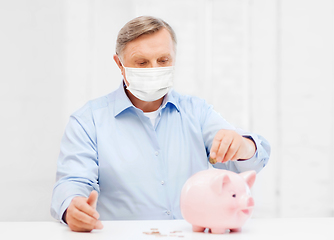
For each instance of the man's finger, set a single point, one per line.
(92, 199)
(223, 148)
(215, 144)
(98, 225)
(78, 226)
(232, 150)
(83, 226)
(83, 206)
(236, 156)
(84, 218)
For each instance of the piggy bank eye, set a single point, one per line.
(234, 195)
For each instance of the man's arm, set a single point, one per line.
(77, 168)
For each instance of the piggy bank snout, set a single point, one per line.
(247, 204)
(250, 202)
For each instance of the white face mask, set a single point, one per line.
(149, 84)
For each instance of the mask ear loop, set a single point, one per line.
(124, 84)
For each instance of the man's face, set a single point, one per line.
(149, 51)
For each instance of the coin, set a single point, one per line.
(212, 160)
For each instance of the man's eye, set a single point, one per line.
(164, 60)
(142, 63)
(234, 195)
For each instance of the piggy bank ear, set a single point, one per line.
(218, 182)
(249, 177)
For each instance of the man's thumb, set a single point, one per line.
(92, 199)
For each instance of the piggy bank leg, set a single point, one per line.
(218, 230)
(235, 229)
(198, 229)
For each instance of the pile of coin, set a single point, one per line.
(154, 231)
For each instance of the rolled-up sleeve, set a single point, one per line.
(77, 166)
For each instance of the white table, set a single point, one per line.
(257, 229)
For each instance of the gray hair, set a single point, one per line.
(138, 27)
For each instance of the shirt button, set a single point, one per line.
(168, 212)
(162, 182)
(156, 153)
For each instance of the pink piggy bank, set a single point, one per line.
(218, 200)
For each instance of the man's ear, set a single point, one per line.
(118, 62)
(120, 66)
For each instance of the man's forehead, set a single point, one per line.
(159, 43)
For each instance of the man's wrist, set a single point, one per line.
(251, 148)
(64, 216)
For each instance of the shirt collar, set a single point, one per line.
(169, 98)
(122, 102)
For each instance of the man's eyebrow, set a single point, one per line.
(138, 55)
(166, 55)
(144, 57)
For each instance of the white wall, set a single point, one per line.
(292, 60)
(32, 78)
(267, 66)
(306, 106)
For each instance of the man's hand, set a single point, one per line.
(230, 146)
(81, 215)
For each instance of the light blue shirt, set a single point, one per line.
(139, 169)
